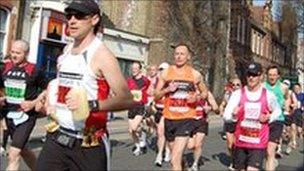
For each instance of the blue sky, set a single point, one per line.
(262, 2)
(258, 2)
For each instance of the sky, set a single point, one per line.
(262, 2)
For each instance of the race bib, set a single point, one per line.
(137, 95)
(18, 117)
(178, 102)
(252, 110)
(66, 82)
(15, 90)
(251, 126)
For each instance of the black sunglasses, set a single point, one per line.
(78, 15)
(252, 75)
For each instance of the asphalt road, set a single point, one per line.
(214, 150)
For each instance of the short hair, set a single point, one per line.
(274, 67)
(139, 64)
(24, 43)
(183, 44)
(297, 84)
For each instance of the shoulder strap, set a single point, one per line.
(8, 65)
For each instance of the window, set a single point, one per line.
(125, 66)
(239, 26)
(243, 30)
(253, 41)
(3, 30)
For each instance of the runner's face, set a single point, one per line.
(152, 71)
(273, 76)
(297, 89)
(236, 84)
(18, 53)
(80, 24)
(253, 80)
(135, 69)
(181, 56)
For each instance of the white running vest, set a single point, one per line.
(75, 70)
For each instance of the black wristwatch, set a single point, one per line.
(94, 105)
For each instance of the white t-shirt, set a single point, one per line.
(235, 98)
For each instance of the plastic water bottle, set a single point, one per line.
(82, 112)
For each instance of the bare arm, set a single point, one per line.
(287, 102)
(107, 65)
(159, 91)
(212, 102)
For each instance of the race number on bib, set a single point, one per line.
(15, 90)
(251, 125)
(252, 110)
(178, 102)
(137, 95)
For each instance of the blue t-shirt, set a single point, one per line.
(300, 98)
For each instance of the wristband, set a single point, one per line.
(94, 105)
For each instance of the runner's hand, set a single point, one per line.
(172, 87)
(265, 117)
(72, 101)
(2, 101)
(40, 105)
(192, 98)
(27, 105)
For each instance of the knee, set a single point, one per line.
(191, 146)
(14, 155)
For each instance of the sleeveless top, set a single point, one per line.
(75, 71)
(21, 83)
(175, 103)
(250, 132)
(139, 92)
(277, 90)
(200, 112)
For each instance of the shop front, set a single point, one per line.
(49, 37)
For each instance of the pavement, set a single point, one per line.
(214, 151)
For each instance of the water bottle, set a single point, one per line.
(83, 111)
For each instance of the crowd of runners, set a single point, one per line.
(170, 102)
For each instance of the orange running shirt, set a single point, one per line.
(176, 106)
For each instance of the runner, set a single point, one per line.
(138, 84)
(195, 143)
(21, 81)
(296, 118)
(178, 84)
(150, 108)
(229, 127)
(160, 124)
(254, 108)
(288, 133)
(86, 72)
(276, 128)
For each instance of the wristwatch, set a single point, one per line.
(94, 105)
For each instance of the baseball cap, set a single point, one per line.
(287, 82)
(254, 68)
(83, 6)
(163, 65)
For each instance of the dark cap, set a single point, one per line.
(83, 6)
(254, 68)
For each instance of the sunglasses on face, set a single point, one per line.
(78, 16)
(237, 84)
(252, 75)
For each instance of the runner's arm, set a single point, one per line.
(274, 107)
(232, 104)
(213, 103)
(160, 91)
(107, 65)
(287, 102)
